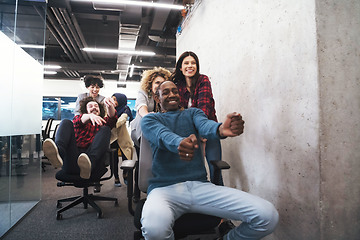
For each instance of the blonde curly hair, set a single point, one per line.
(148, 77)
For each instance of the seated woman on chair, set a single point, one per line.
(120, 138)
(80, 144)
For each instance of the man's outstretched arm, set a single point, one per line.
(232, 126)
(158, 134)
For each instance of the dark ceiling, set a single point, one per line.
(72, 25)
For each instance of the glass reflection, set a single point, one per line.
(23, 22)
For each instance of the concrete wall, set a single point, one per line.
(339, 80)
(272, 61)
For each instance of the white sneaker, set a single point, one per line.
(84, 165)
(51, 152)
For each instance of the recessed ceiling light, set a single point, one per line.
(131, 70)
(52, 67)
(119, 51)
(31, 46)
(50, 72)
(136, 3)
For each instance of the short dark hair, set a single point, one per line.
(85, 101)
(157, 93)
(93, 80)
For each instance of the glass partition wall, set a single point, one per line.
(22, 31)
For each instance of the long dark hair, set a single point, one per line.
(178, 76)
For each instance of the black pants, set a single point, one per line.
(116, 161)
(69, 152)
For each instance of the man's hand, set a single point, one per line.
(233, 125)
(110, 106)
(109, 101)
(187, 147)
(95, 119)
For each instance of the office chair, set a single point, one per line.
(86, 199)
(46, 134)
(55, 129)
(187, 224)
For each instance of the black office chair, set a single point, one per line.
(54, 133)
(78, 182)
(45, 133)
(187, 224)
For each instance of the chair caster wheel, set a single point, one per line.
(59, 205)
(116, 203)
(58, 216)
(100, 215)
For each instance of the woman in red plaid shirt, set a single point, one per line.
(195, 91)
(83, 142)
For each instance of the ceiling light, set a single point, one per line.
(136, 3)
(50, 72)
(31, 46)
(52, 67)
(118, 51)
(131, 70)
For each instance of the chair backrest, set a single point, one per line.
(55, 130)
(46, 131)
(145, 164)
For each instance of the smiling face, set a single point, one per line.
(155, 84)
(93, 107)
(94, 90)
(188, 67)
(168, 97)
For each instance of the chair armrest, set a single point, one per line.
(128, 164)
(220, 165)
(109, 156)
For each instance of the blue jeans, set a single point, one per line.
(164, 205)
(213, 153)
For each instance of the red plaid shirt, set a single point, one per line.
(202, 99)
(85, 132)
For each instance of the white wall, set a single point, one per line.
(72, 88)
(262, 58)
(21, 83)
